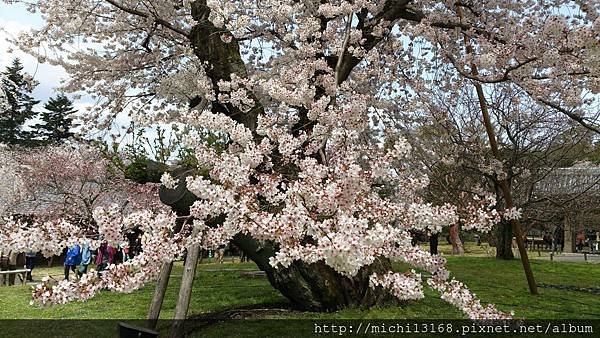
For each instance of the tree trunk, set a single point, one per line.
(568, 238)
(504, 235)
(315, 287)
(457, 246)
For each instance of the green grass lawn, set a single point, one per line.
(223, 286)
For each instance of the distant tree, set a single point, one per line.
(68, 181)
(17, 87)
(11, 184)
(57, 124)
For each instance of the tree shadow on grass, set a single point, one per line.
(198, 322)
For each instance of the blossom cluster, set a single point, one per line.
(48, 237)
(481, 214)
(512, 214)
(403, 286)
(350, 222)
(159, 245)
(168, 181)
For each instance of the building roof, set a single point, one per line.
(579, 179)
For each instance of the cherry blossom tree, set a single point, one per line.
(67, 191)
(304, 93)
(71, 181)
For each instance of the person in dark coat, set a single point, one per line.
(30, 264)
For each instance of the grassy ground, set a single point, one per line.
(222, 287)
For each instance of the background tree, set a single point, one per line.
(534, 141)
(17, 87)
(57, 123)
(70, 181)
(11, 184)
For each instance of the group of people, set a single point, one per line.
(583, 238)
(105, 255)
(77, 258)
(588, 238)
(11, 260)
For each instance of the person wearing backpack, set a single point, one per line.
(72, 260)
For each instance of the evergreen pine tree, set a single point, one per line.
(57, 123)
(17, 88)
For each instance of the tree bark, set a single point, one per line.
(504, 236)
(457, 246)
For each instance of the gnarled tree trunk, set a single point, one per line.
(315, 287)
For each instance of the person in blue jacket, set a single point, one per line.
(73, 259)
(86, 259)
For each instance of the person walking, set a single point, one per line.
(220, 254)
(12, 265)
(3, 265)
(86, 259)
(72, 260)
(580, 240)
(106, 257)
(30, 264)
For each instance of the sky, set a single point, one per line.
(14, 19)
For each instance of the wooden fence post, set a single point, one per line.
(185, 291)
(159, 293)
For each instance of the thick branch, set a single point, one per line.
(146, 15)
(223, 59)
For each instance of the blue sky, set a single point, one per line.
(13, 19)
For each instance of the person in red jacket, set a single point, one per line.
(105, 257)
(580, 240)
